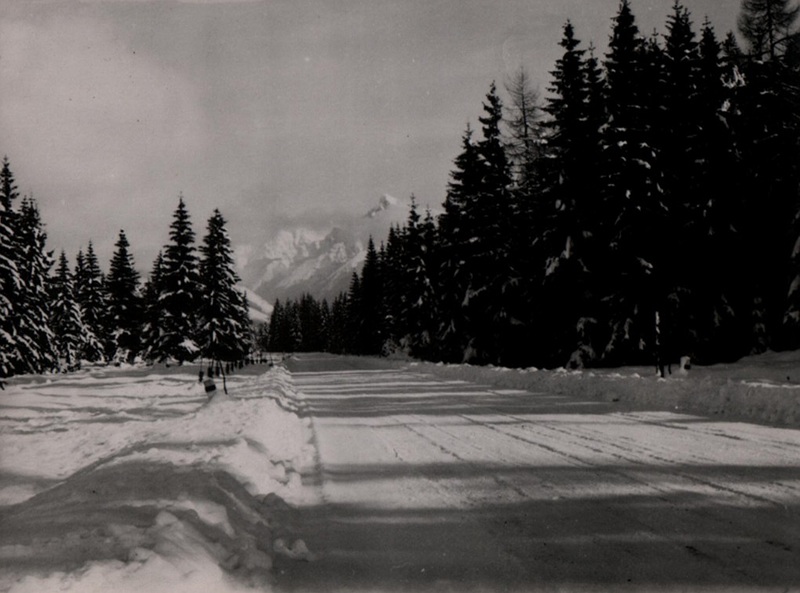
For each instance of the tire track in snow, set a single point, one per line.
(617, 514)
(662, 493)
(679, 504)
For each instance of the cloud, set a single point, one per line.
(170, 1)
(88, 116)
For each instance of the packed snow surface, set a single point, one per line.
(454, 478)
(414, 475)
(136, 480)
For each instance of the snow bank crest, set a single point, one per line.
(156, 487)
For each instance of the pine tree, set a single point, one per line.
(566, 222)
(394, 286)
(180, 296)
(124, 304)
(88, 295)
(336, 339)
(767, 124)
(419, 311)
(633, 198)
(93, 298)
(311, 324)
(371, 336)
(493, 242)
(456, 231)
(151, 306)
(355, 317)
(35, 351)
(221, 336)
(275, 327)
(680, 264)
(715, 262)
(10, 281)
(66, 317)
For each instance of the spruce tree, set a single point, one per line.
(566, 223)
(180, 295)
(221, 336)
(35, 351)
(89, 296)
(767, 125)
(394, 286)
(456, 230)
(419, 311)
(151, 304)
(10, 282)
(93, 298)
(371, 337)
(633, 200)
(680, 265)
(492, 241)
(124, 304)
(355, 317)
(336, 338)
(276, 322)
(66, 317)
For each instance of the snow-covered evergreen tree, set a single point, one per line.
(221, 336)
(419, 311)
(456, 232)
(370, 338)
(35, 351)
(488, 241)
(768, 128)
(355, 319)
(336, 338)
(9, 274)
(180, 292)
(394, 286)
(633, 200)
(124, 304)
(568, 217)
(151, 328)
(275, 327)
(89, 294)
(66, 317)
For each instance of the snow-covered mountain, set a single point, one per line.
(301, 260)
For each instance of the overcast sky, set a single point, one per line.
(276, 111)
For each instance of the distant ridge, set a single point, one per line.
(301, 260)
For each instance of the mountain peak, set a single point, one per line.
(385, 202)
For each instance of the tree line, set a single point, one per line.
(57, 319)
(646, 209)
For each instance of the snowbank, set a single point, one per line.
(763, 388)
(128, 480)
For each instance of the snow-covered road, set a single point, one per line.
(440, 484)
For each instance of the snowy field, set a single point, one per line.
(763, 388)
(133, 480)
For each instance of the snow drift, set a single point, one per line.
(120, 480)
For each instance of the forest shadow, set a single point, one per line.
(647, 539)
(108, 513)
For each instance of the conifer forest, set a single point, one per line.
(645, 207)
(188, 308)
